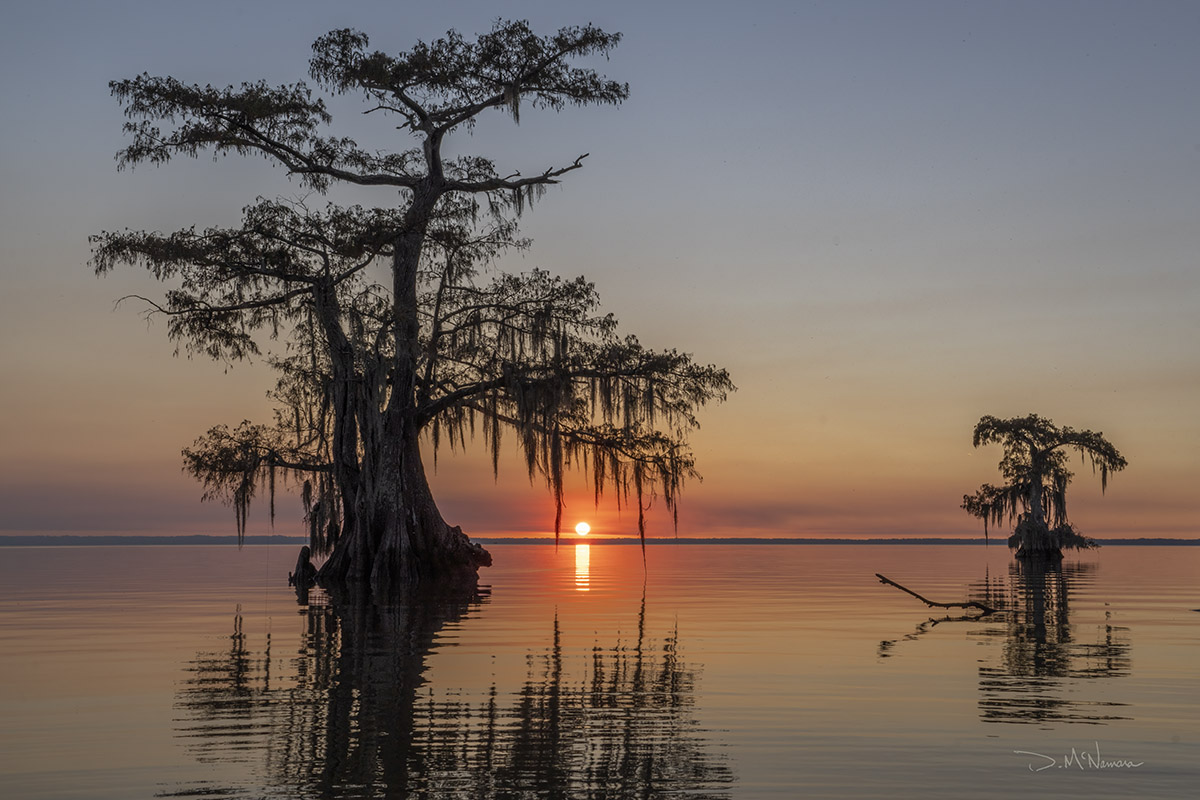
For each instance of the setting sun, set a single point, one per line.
(583, 528)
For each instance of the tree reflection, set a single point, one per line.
(353, 719)
(1044, 658)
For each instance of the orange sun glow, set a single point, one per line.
(583, 528)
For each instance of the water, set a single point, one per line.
(718, 671)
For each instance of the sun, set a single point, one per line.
(583, 528)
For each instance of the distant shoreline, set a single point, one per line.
(75, 540)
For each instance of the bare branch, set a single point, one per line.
(932, 604)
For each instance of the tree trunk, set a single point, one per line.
(399, 538)
(345, 445)
(1037, 513)
(1034, 539)
(416, 546)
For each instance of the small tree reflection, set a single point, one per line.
(1043, 658)
(356, 721)
(1044, 661)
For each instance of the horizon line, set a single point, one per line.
(106, 540)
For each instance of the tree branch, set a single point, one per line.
(549, 177)
(204, 308)
(969, 604)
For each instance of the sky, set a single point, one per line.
(885, 219)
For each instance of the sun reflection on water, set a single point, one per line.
(583, 558)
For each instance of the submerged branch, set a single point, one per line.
(931, 603)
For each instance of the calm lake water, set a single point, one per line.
(718, 671)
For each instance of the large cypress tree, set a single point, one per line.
(394, 333)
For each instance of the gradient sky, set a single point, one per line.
(885, 219)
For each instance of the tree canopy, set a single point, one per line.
(396, 324)
(1034, 467)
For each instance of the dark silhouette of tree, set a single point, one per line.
(355, 717)
(1034, 494)
(393, 333)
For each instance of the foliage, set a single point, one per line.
(1034, 466)
(435, 88)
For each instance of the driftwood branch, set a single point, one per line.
(968, 604)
